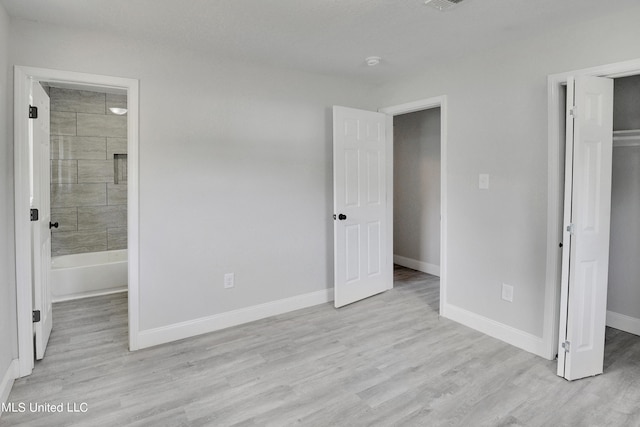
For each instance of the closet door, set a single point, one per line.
(587, 225)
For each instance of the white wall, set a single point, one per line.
(416, 194)
(8, 334)
(235, 170)
(497, 124)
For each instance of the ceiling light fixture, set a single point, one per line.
(442, 5)
(118, 111)
(372, 61)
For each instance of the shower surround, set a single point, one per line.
(90, 208)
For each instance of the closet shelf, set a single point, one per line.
(626, 138)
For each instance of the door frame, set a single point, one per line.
(555, 187)
(411, 107)
(23, 76)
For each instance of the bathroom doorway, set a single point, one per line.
(122, 167)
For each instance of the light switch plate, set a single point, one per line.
(483, 181)
(229, 280)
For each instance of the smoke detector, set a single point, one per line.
(442, 5)
(372, 61)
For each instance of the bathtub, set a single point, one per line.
(88, 274)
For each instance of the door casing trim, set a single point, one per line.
(23, 76)
(411, 107)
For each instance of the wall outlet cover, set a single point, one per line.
(229, 280)
(507, 292)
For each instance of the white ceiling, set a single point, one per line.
(326, 36)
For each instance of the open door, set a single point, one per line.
(360, 204)
(585, 261)
(40, 228)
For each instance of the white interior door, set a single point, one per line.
(587, 225)
(360, 204)
(41, 233)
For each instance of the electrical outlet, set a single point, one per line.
(507, 292)
(229, 280)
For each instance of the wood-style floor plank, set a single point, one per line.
(389, 360)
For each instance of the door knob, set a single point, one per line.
(342, 217)
(53, 225)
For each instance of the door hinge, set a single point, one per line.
(36, 316)
(566, 346)
(34, 214)
(573, 111)
(33, 112)
(571, 228)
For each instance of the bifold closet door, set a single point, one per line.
(587, 226)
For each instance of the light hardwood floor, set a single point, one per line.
(385, 361)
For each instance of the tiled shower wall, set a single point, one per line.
(90, 208)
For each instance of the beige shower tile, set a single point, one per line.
(69, 195)
(93, 171)
(64, 171)
(116, 146)
(78, 147)
(67, 219)
(102, 125)
(63, 123)
(116, 194)
(77, 101)
(74, 242)
(101, 217)
(117, 238)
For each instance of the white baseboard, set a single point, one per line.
(508, 334)
(414, 264)
(164, 334)
(89, 294)
(623, 322)
(9, 376)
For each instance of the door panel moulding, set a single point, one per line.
(23, 76)
(555, 203)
